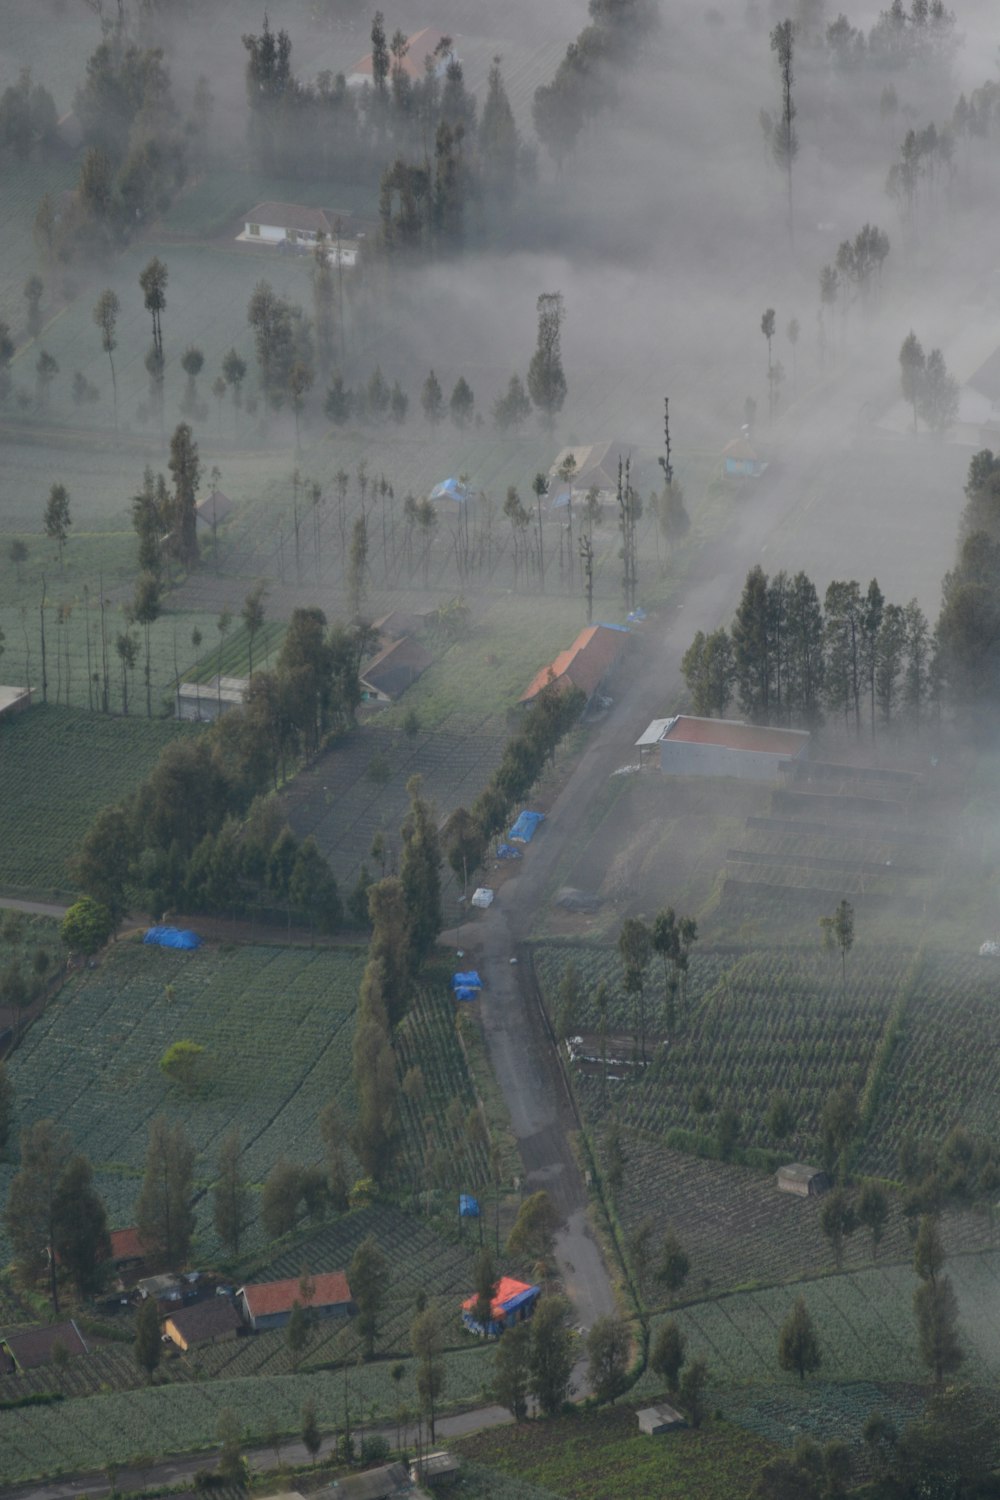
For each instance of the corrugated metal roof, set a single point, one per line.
(654, 733)
(733, 734)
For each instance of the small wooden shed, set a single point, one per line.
(660, 1418)
(807, 1182)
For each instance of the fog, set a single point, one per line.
(665, 229)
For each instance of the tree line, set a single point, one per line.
(789, 660)
(199, 830)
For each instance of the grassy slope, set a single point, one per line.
(58, 767)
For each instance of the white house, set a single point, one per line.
(294, 224)
(979, 398)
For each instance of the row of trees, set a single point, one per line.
(786, 659)
(182, 833)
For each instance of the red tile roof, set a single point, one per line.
(584, 665)
(419, 46)
(268, 1297)
(126, 1245)
(507, 1290)
(731, 734)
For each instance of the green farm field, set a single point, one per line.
(281, 1017)
(605, 1454)
(914, 1035)
(740, 1231)
(58, 768)
(181, 1418)
(864, 1321)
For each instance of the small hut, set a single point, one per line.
(660, 1418)
(807, 1182)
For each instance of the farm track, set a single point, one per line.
(519, 1042)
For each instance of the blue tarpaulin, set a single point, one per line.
(468, 981)
(172, 937)
(523, 830)
(507, 851)
(450, 489)
(468, 1207)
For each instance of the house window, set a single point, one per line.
(254, 228)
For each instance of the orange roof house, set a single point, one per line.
(584, 665)
(513, 1302)
(421, 45)
(268, 1304)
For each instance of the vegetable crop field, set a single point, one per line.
(179, 1418)
(604, 1454)
(864, 1321)
(739, 1230)
(58, 768)
(759, 1022)
(945, 1068)
(276, 1024)
(421, 1259)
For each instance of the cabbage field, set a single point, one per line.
(58, 768)
(864, 1321)
(276, 1025)
(84, 1434)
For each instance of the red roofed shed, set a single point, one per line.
(728, 747)
(268, 1304)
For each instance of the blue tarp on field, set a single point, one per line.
(468, 1207)
(523, 830)
(466, 986)
(507, 851)
(172, 937)
(450, 489)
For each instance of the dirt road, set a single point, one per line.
(521, 1048)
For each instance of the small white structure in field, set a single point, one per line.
(482, 897)
(661, 1418)
(807, 1182)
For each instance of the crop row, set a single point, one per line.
(864, 1321)
(276, 1027)
(772, 1021)
(118, 1426)
(944, 1070)
(58, 768)
(739, 1229)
